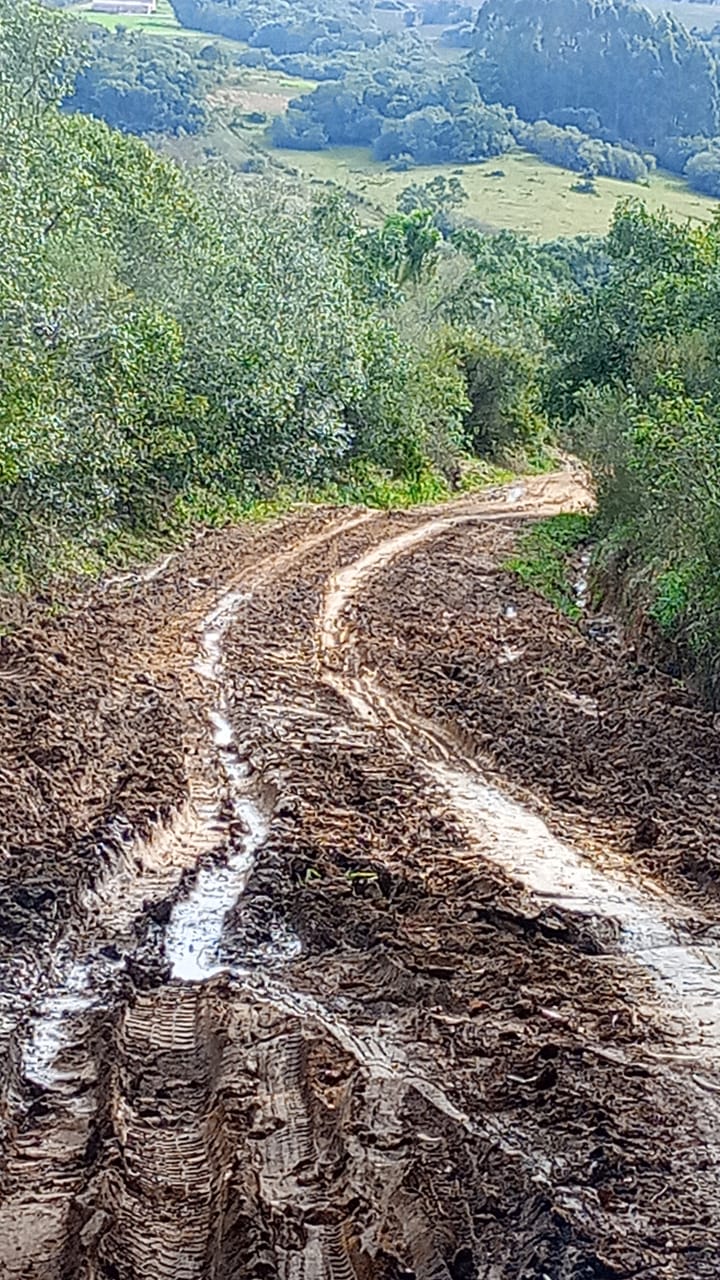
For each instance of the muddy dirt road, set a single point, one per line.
(358, 921)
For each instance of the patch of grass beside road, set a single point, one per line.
(543, 555)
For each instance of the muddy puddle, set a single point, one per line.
(60, 1020)
(194, 933)
(218, 840)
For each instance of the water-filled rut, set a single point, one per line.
(194, 931)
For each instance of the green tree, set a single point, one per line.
(442, 196)
(408, 245)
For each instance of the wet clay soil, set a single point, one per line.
(357, 921)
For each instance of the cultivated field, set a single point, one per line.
(267, 91)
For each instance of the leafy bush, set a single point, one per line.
(703, 171)
(635, 379)
(575, 150)
(505, 416)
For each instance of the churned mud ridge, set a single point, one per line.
(393, 1059)
(100, 719)
(612, 749)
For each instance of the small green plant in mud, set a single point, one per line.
(370, 486)
(478, 474)
(543, 554)
(673, 592)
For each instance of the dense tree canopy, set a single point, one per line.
(283, 28)
(143, 84)
(644, 76)
(429, 114)
(431, 117)
(412, 105)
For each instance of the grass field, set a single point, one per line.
(163, 22)
(530, 196)
(258, 90)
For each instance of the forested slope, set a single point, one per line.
(174, 343)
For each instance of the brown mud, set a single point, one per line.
(357, 921)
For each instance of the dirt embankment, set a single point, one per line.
(293, 986)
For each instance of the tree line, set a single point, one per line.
(644, 75)
(627, 75)
(430, 113)
(282, 29)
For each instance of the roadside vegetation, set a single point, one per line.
(543, 560)
(181, 346)
(633, 381)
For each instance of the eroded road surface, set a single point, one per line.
(358, 920)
